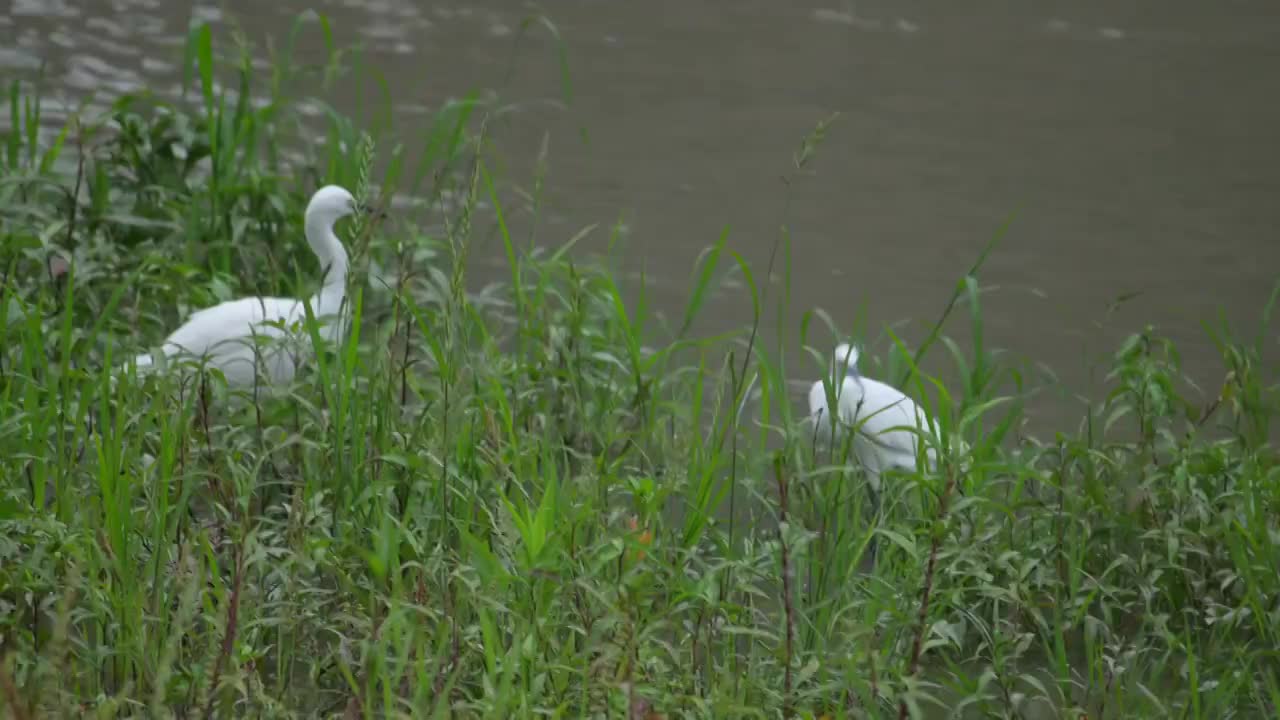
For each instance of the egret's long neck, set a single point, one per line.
(846, 362)
(333, 263)
(846, 369)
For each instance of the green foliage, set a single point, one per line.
(524, 501)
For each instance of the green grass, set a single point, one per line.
(538, 499)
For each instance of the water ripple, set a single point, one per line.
(86, 72)
(105, 25)
(15, 59)
(832, 16)
(43, 8)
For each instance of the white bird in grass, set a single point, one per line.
(890, 427)
(888, 423)
(224, 336)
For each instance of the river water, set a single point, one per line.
(1135, 144)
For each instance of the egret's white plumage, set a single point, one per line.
(223, 336)
(890, 427)
(882, 415)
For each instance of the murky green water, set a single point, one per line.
(1137, 142)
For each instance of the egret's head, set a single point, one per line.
(846, 359)
(330, 204)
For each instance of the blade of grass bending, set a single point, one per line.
(955, 295)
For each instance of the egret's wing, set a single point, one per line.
(884, 416)
(232, 323)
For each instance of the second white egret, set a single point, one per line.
(889, 427)
(888, 423)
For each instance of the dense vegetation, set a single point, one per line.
(537, 499)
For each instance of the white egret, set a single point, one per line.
(888, 424)
(224, 336)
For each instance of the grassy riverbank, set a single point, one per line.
(537, 500)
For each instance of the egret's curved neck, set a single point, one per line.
(333, 263)
(847, 361)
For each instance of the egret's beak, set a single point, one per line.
(373, 212)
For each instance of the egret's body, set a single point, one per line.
(235, 335)
(889, 427)
(888, 423)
